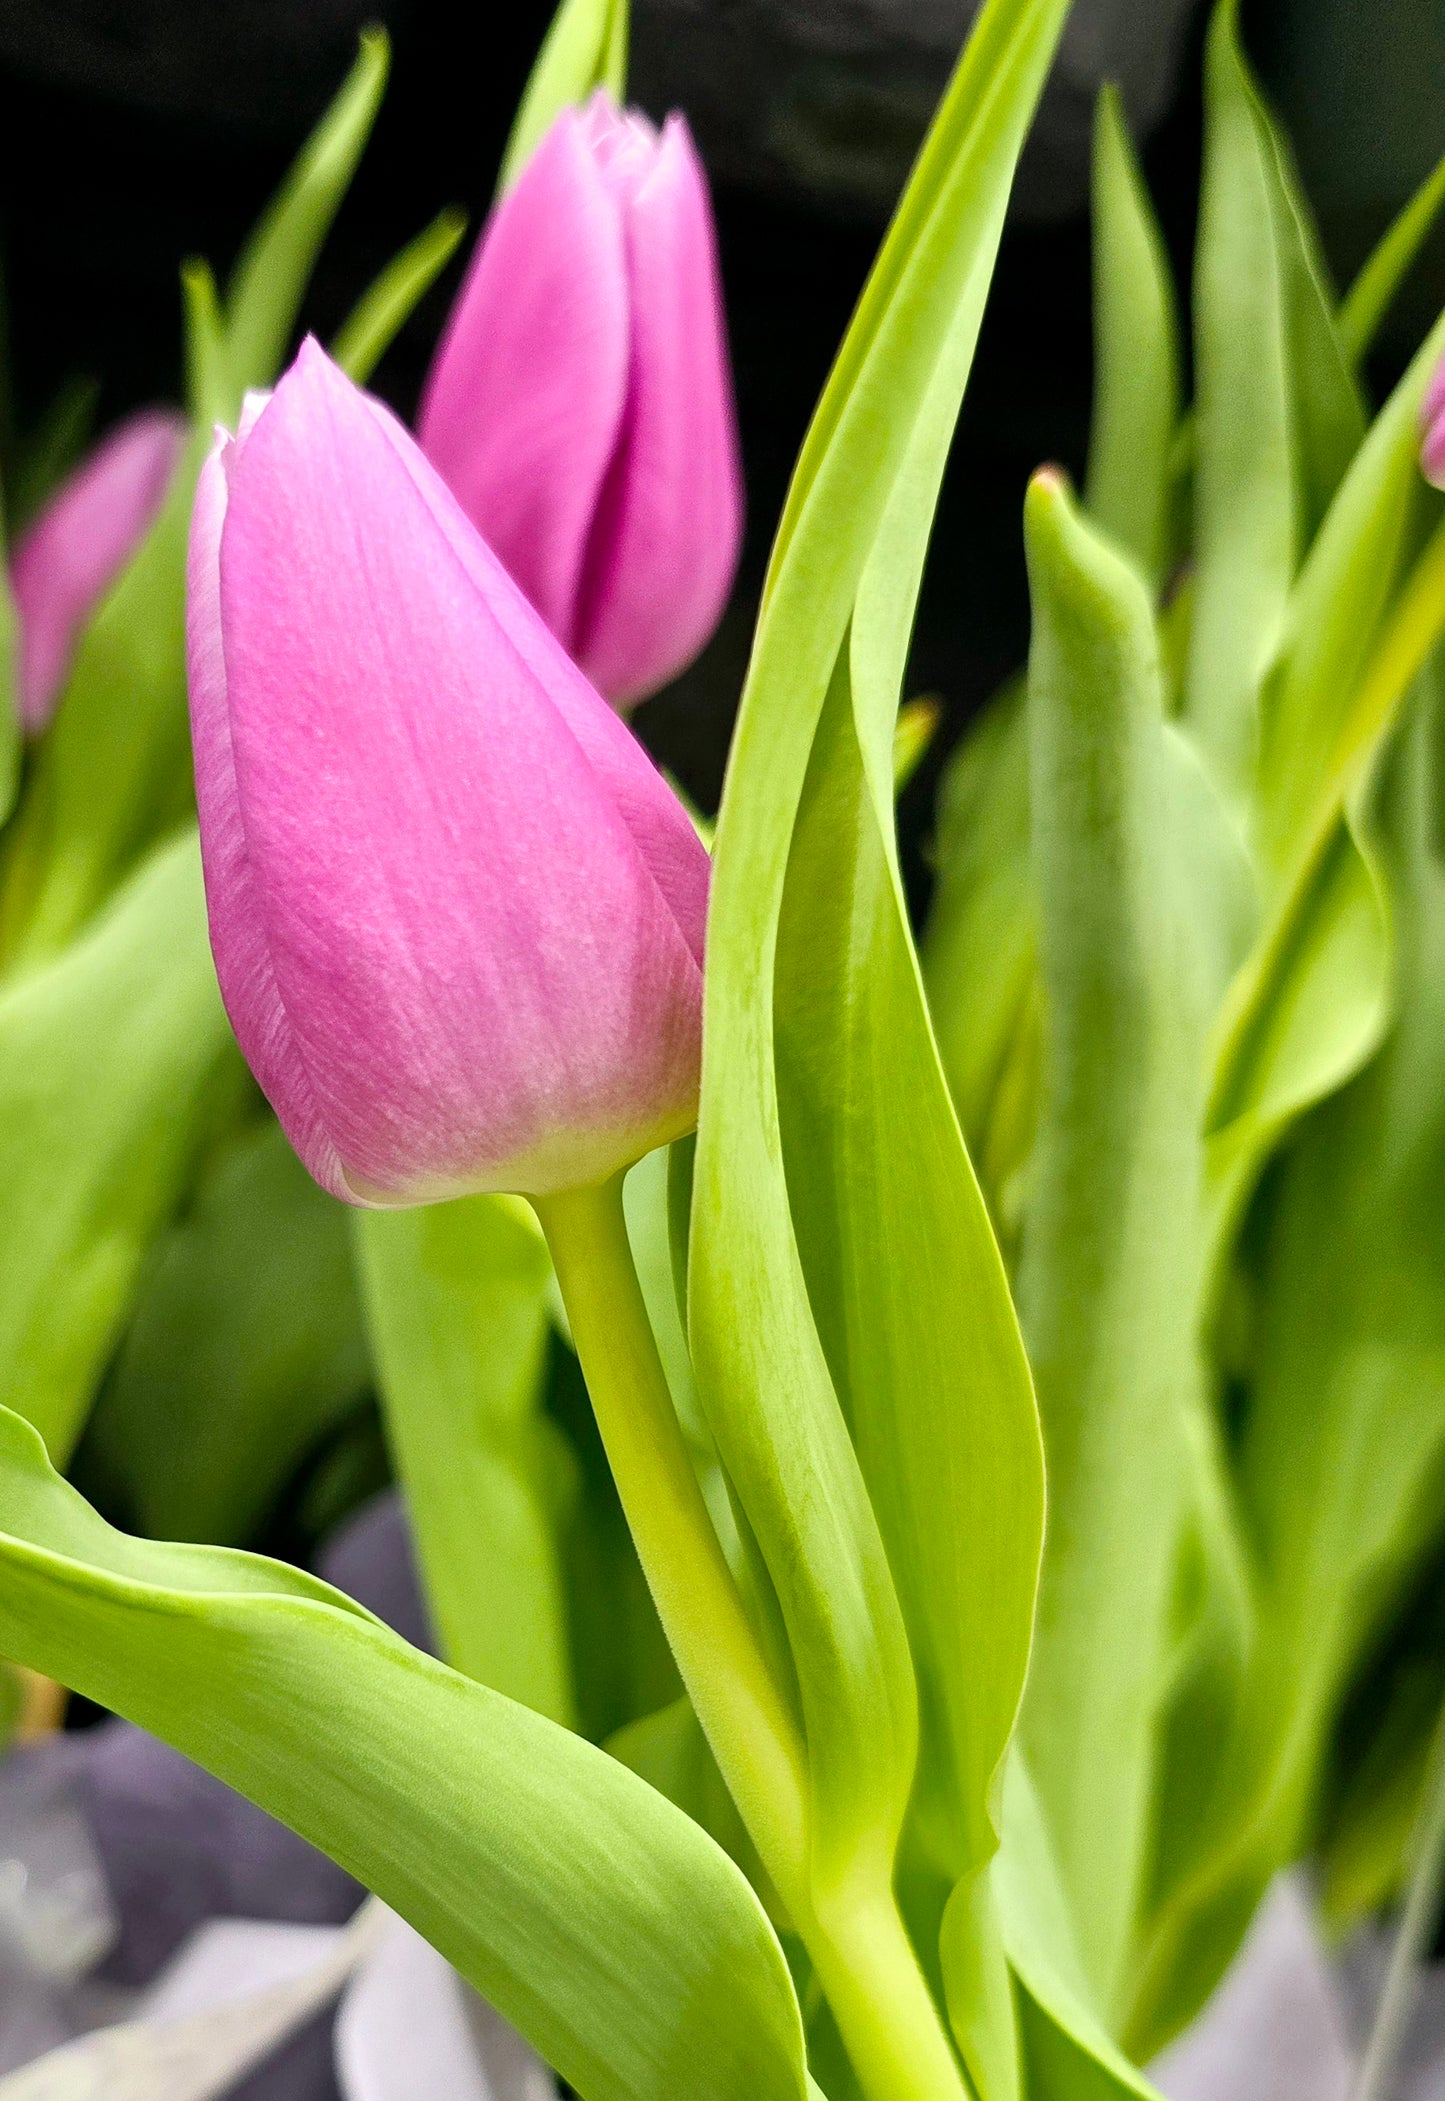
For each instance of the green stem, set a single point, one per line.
(885, 2012)
(1412, 1937)
(748, 1723)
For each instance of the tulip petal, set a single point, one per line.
(661, 829)
(522, 409)
(664, 548)
(482, 979)
(67, 561)
(238, 943)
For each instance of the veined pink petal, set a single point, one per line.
(483, 983)
(64, 565)
(661, 829)
(238, 939)
(665, 542)
(521, 412)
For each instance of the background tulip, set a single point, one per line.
(457, 914)
(1432, 425)
(64, 565)
(580, 405)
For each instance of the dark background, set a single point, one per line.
(136, 132)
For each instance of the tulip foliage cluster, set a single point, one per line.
(923, 1456)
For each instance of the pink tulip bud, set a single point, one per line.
(580, 405)
(77, 547)
(457, 914)
(1432, 427)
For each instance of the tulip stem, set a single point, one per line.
(747, 1720)
(865, 1961)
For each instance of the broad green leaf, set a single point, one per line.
(585, 49)
(1068, 2048)
(114, 1061)
(1246, 522)
(386, 306)
(620, 1940)
(244, 1350)
(837, 610)
(456, 1301)
(669, 1751)
(1370, 296)
(1136, 355)
(269, 281)
(1343, 1432)
(1108, 1283)
(889, 1220)
(980, 943)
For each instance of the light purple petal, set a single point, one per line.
(67, 561)
(521, 411)
(665, 544)
(243, 961)
(484, 984)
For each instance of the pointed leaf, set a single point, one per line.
(590, 1912)
(386, 306)
(1370, 296)
(585, 49)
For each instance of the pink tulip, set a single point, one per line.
(1432, 426)
(457, 914)
(77, 547)
(580, 405)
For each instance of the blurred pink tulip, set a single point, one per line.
(67, 561)
(457, 914)
(580, 405)
(1432, 426)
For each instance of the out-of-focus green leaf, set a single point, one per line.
(1370, 296)
(615, 1934)
(835, 620)
(456, 1301)
(1339, 1454)
(1108, 1283)
(1246, 519)
(980, 944)
(245, 1349)
(1136, 356)
(1335, 611)
(114, 1060)
(1068, 2049)
(385, 307)
(913, 733)
(585, 49)
(50, 450)
(273, 270)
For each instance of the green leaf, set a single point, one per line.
(863, 492)
(1108, 1282)
(1136, 355)
(1371, 295)
(114, 1062)
(615, 1934)
(585, 49)
(1246, 520)
(1343, 1431)
(456, 1301)
(980, 957)
(385, 307)
(1336, 610)
(245, 1349)
(273, 270)
(1068, 2048)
